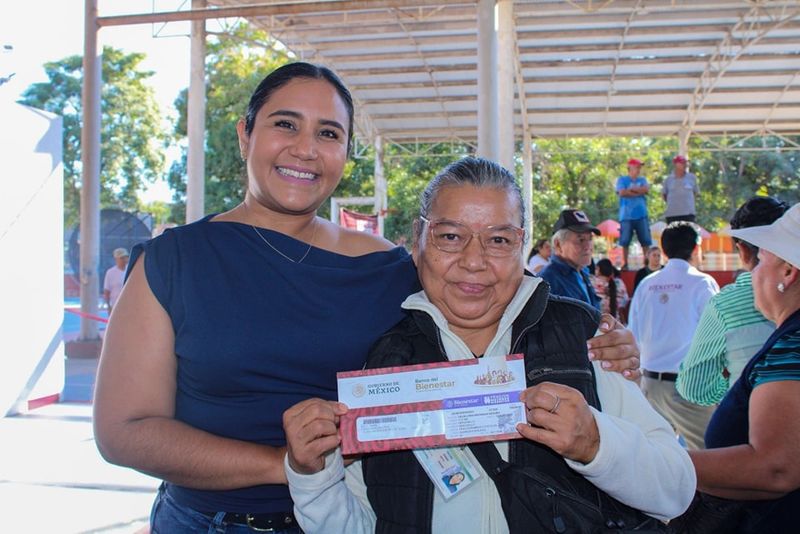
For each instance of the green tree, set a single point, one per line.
(728, 177)
(406, 177)
(236, 62)
(160, 211)
(132, 138)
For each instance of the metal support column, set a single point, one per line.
(527, 188)
(683, 141)
(488, 142)
(380, 184)
(196, 120)
(90, 172)
(506, 57)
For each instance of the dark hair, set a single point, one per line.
(285, 74)
(606, 268)
(537, 247)
(757, 211)
(679, 240)
(477, 172)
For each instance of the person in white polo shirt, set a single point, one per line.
(115, 277)
(664, 314)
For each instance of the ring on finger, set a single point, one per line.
(555, 406)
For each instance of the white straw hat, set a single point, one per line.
(782, 237)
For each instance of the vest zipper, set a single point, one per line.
(558, 521)
(522, 333)
(545, 371)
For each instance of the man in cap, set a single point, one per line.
(680, 191)
(115, 277)
(567, 273)
(632, 190)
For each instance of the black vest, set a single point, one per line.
(551, 332)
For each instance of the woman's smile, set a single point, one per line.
(296, 173)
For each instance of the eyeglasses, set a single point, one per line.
(498, 241)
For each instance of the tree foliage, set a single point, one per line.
(582, 173)
(406, 177)
(132, 139)
(236, 62)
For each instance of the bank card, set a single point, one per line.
(432, 405)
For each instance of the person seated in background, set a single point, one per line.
(618, 460)
(749, 475)
(568, 273)
(731, 329)
(651, 265)
(540, 256)
(610, 288)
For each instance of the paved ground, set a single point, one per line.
(53, 480)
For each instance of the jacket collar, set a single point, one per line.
(562, 265)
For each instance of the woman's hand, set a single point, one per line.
(311, 430)
(561, 420)
(615, 348)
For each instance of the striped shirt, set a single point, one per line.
(728, 316)
(781, 362)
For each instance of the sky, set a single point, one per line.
(48, 30)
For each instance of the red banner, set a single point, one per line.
(358, 221)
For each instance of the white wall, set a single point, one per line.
(31, 256)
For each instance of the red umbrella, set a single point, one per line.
(609, 228)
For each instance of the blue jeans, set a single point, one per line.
(642, 228)
(169, 517)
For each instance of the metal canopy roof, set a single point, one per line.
(601, 68)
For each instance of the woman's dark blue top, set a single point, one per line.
(778, 360)
(256, 333)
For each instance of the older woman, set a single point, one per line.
(620, 460)
(750, 470)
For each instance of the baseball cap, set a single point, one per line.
(634, 161)
(120, 252)
(782, 237)
(575, 220)
(679, 159)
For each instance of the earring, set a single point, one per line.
(244, 156)
(781, 287)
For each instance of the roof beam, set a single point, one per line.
(266, 9)
(612, 81)
(779, 98)
(422, 57)
(729, 50)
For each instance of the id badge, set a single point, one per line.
(449, 468)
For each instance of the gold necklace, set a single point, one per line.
(270, 245)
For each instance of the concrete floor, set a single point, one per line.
(53, 480)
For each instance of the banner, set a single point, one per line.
(358, 221)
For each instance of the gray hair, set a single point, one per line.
(476, 172)
(561, 236)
